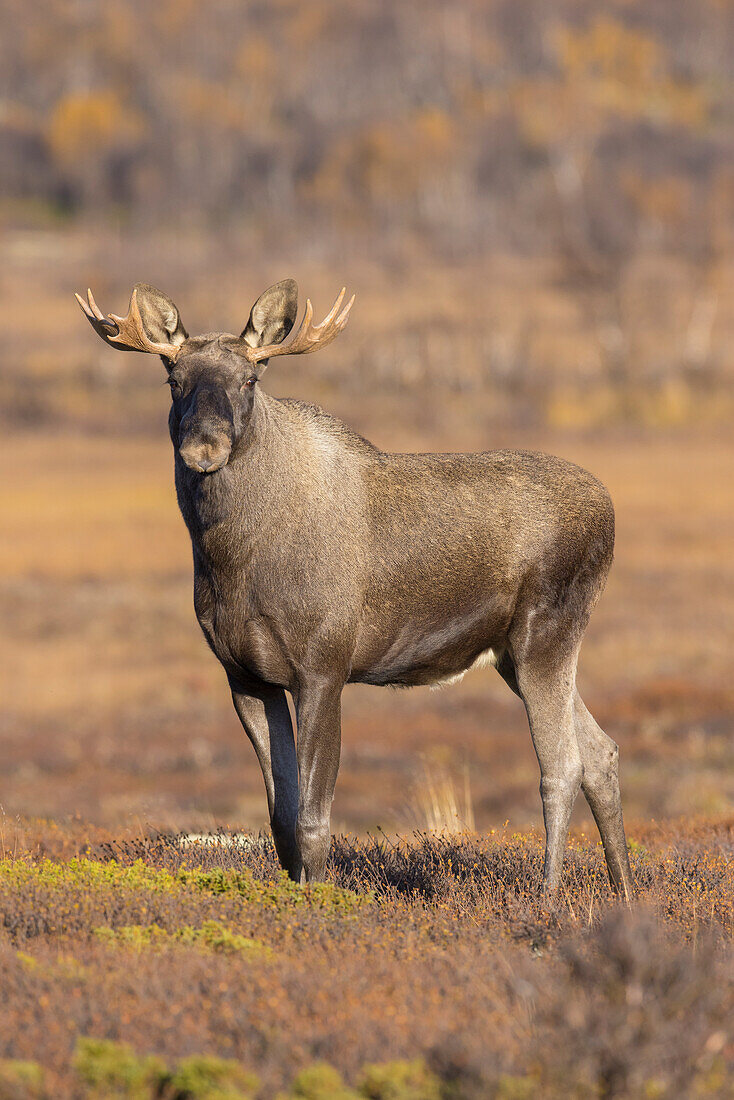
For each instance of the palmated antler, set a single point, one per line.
(309, 337)
(124, 333)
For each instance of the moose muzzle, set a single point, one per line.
(206, 434)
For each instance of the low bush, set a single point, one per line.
(205, 1077)
(112, 1070)
(400, 1081)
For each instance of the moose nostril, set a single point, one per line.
(204, 459)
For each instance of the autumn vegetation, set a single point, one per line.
(534, 203)
(425, 968)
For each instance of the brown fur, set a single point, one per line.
(321, 560)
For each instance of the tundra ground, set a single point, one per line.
(133, 966)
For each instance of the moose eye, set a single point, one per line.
(175, 385)
(251, 381)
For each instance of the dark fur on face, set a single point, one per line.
(212, 397)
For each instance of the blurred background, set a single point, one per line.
(534, 203)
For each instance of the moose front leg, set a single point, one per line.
(263, 711)
(318, 708)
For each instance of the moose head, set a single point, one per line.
(213, 376)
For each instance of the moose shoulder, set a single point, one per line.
(320, 560)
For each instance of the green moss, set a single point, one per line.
(113, 1070)
(205, 1077)
(400, 1081)
(21, 1080)
(89, 875)
(212, 936)
(85, 874)
(136, 936)
(283, 894)
(319, 1082)
(216, 937)
(27, 960)
(510, 1087)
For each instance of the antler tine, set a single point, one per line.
(300, 340)
(333, 311)
(103, 326)
(309, 337)
(95, 308)
(128, 333)
(344, 315)
(92, 311)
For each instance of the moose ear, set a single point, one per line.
(273, 315)
(160, 317)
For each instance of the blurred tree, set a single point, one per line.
(93, 137)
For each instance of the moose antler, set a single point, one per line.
(124, 333)
(309, 337)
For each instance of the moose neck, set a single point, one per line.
(243, 491)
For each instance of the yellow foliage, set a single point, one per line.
(671, 405)
(433, 128)
(86, 124)
(610, 53)
(606, 69)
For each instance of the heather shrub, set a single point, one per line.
(53, 898)
(215, 937)
(635, 1010)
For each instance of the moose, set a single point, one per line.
(320, 560)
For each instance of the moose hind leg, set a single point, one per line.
(600, 757)
(548, 698)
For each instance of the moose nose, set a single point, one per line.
(204, 459)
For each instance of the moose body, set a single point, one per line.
(320, 560)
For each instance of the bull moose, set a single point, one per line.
(320, 560)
